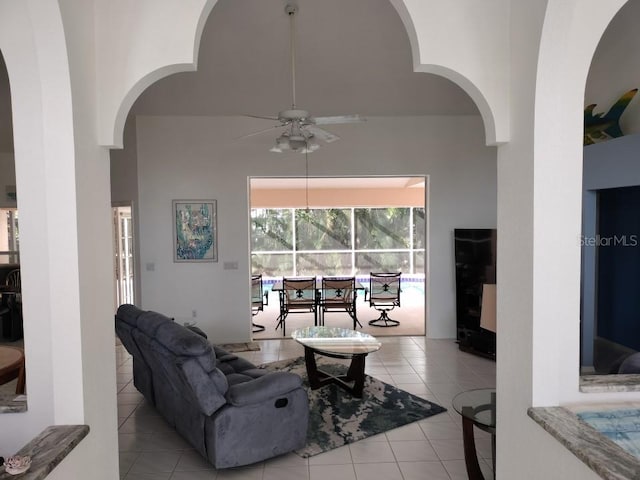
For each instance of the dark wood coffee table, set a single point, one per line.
(336, 343)
(12, 366)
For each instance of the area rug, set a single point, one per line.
(240, 347)
(337, 418)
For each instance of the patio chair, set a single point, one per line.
(384, 296)
(13, 279)
(298, 295)
(259, 298)
(338, 294)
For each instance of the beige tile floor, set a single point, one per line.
(410, 314)
(430, 449)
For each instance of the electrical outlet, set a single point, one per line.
(194, 313)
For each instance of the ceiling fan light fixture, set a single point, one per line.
(309, 148)
(297, 142)
(282, 144)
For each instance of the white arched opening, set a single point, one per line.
(52, 68)
(539, 212)
(564, 62)
(471, 82)
(136, 58)
(474, 55)
(36, 60)
(126, 72)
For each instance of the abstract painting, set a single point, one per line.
(194, 231)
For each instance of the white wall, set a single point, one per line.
(198, 157)
(615, 68)
(92, 210)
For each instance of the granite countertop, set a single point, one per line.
(602, 455)
(12, 403)
(48, 449)
(610, 383)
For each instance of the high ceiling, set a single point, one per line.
(320, 183)
(353, 56)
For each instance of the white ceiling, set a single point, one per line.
(351, 183)
(353, 56)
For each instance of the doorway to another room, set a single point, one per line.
(347, 227)
(123, 255)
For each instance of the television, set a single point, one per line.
(475, 265)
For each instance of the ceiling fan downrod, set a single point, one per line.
(291, 10)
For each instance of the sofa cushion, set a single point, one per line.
(270, 386)
(149, 322)
(181, 341)
(195, 329)
(129, 314)
(232, 364)
(631, 364)
(208, 387)
(236, 378)
(222, 355)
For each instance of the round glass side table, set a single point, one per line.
(478, 408)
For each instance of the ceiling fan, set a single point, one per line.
(301, 129)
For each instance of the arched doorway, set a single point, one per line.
(256, 79)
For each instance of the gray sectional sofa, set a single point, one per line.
(230, 411)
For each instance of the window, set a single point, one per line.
(337, 241)
(9, 236)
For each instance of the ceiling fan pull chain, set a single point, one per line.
(306, 174)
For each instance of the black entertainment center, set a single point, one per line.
(475, 257)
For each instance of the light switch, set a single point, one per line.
(230, 265)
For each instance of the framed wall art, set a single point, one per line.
(195, 236)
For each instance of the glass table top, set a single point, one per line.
(477, 405)
(335, 340)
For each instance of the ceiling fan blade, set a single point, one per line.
(322, 134)
(259, 132)
(262, 117)
(338, 119)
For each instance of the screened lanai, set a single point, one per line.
(347, 226)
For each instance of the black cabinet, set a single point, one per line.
(475, 257)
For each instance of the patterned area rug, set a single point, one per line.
(337, 418)
(240, 347)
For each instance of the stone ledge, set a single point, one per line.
(600, 454)
(13, 403)
(48, 449)
(609, 383)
